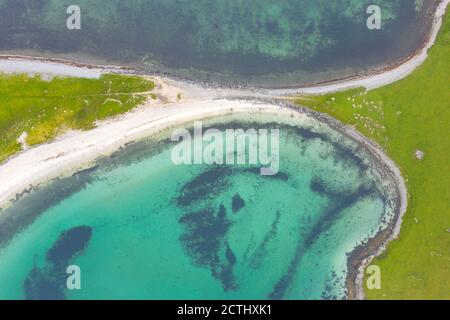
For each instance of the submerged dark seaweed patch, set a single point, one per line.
(237, 203)
(322, 187)
(324, 222)
(341, 152)
(44, 284)
(225, 270)
(261, 251)
(216, 180)
(205, 185)
(205, 242)
(69, 243)
(28, 208)
(282, 176)
(48, 283)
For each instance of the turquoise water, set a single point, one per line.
(264, 42)
(140, 227)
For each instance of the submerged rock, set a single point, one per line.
(237, 203)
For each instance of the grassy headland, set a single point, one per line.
(410, 115)
(44, 109)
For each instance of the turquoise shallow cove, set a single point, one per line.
(141, 227)
(265, 42)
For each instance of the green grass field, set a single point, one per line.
(44, 109)
(412, 114)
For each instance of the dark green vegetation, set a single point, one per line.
(410, 115)
(44, 109)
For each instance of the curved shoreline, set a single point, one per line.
(381, 77)
(362, 255)
(78, 151)
(371, 80)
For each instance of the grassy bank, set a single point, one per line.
(44, 109)
(412, 114)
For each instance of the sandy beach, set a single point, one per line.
(76, 150)
(46, 69)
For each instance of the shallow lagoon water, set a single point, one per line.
(259, 42)
(141, 227)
